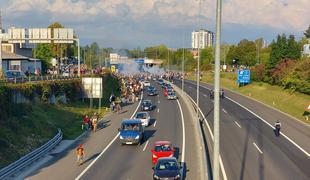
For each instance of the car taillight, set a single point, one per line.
(154, 156)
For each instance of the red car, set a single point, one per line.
(165, 92)
(162, 149)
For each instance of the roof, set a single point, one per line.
(167, 158)
(13, 56)
(162, 142)
(131, 121)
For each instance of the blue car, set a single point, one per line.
(131, 132)
(167, 168)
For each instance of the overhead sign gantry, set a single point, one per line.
(39, 35)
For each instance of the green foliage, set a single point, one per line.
(258, 72)
(45, 89)
(244, 52)
(298, 79)
(307, 32)
(45, 54)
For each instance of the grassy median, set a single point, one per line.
(292, 103)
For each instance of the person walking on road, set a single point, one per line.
(80, 153)
(94, 121)
(86, 122)
(277, 126)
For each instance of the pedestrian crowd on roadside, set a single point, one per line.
(90, 123)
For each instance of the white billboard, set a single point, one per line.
(63, 35)
(17, 35)
(92, 87)
(39, 35)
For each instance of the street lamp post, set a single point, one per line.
(216, 150)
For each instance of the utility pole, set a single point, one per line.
(198, 61)
(216, 150)
(183, 64)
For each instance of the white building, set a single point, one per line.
(306, 50)
(202, 38)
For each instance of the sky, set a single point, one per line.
(142, 23)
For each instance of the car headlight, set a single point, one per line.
(121, 137)
(177, 176)
(155, 176)
(137, 137)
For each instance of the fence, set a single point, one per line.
(24, 161)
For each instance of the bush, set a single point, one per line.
(298, 79)
(258, 72)
(281, 70)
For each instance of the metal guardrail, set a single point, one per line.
(38, 78)
(24, 161)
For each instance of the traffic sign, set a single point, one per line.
(244, 76)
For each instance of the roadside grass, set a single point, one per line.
(33, 125)
(292, 103)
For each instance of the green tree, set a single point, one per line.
(206, 58)
(45, 54)
(307, 33)
(293, 48)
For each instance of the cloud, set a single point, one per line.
(130, 22)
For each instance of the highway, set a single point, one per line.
(249, 148)
(113, 161)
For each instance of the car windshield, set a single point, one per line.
(151, 88)
(141, 115)
(167, 165)
(171, 93)
(160, 148)
(146, 103)
(131, 127)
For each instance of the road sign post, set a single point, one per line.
(244, 77)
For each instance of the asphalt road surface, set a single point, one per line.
(134, 162)
(248, 146)
(107, 159)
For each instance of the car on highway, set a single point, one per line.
(146, 83)
(162, 149)
(172, 95)
(167, 168)
(160, 81)
(151, 92)
(147, 105)
(131, 132)
(144, 117)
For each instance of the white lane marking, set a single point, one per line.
(257, 148)
(237, 124)
(155, 123)
(212, 137)
(147, 142)
(107, 147)
(158, 110)
(183, 132)
(289, 139)
(158, 101)
(205, 95)
(224, 111)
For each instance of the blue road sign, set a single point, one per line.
(244, 76)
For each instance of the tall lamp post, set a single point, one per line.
(216, 150)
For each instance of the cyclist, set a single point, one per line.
(80, 154)
(277, 126)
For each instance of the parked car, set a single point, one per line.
(167, 168)
(131, 132)
(144, 117)
(147, 105)
(162, 149)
